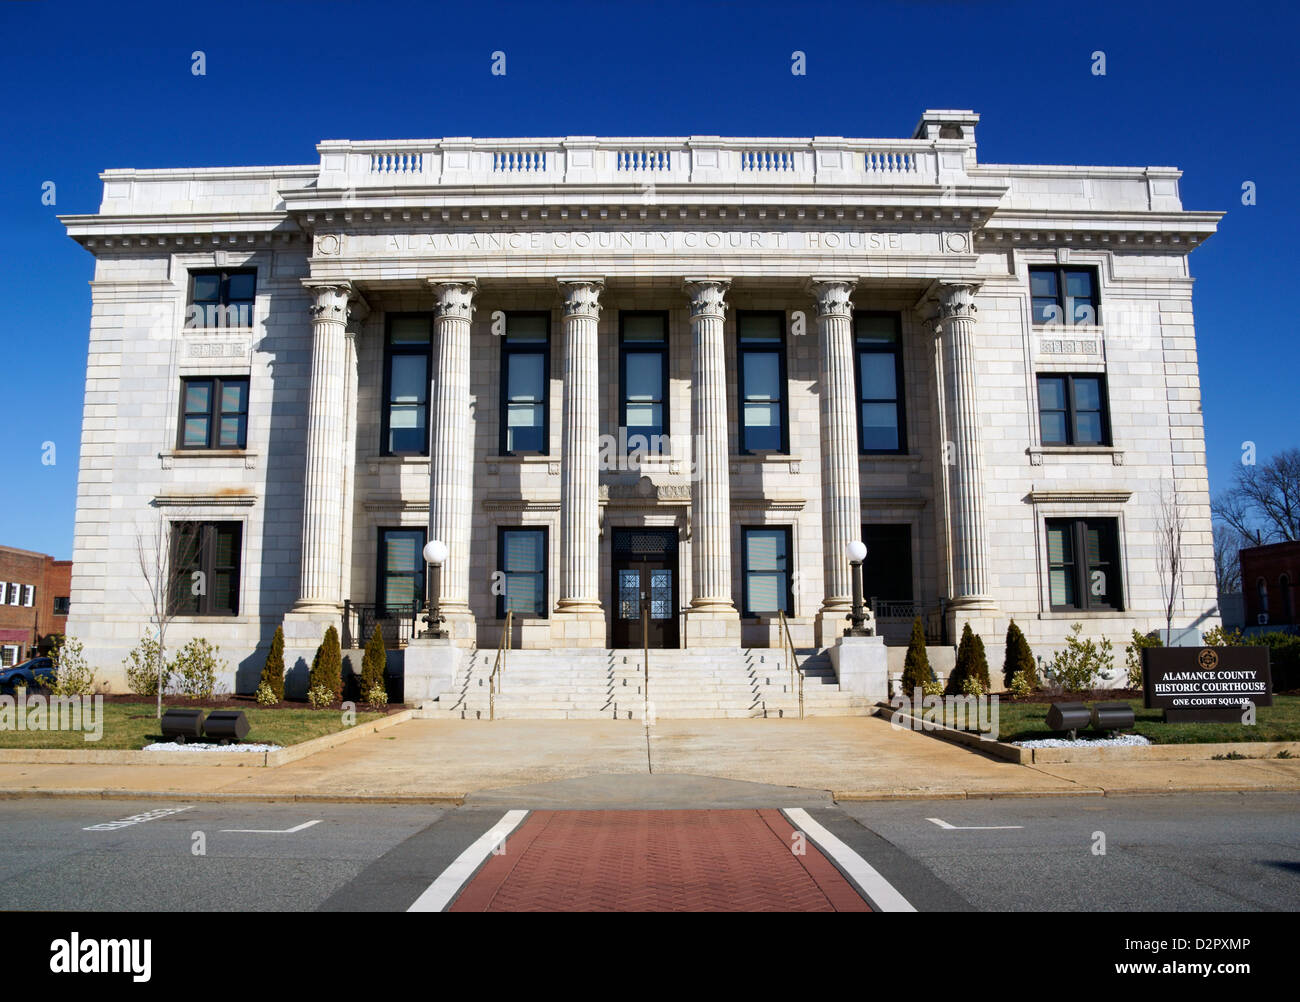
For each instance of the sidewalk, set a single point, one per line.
(855, 758)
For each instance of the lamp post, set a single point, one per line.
(435, 555)
(857, 553)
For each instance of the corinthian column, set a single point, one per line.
(322, 503)
(956, 329)
(579, 620)
(451, 450)
(712, 619)
(841, 492)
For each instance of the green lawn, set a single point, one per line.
(134, 725)
(1279, 722)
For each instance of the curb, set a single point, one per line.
(445, 799)
(245, 760)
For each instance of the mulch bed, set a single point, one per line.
(1095, 696)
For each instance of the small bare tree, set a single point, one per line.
(1169, 531)
(1227, 559)
(167, 580)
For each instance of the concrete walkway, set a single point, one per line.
(446, 760)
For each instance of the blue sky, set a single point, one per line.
(1206, 87)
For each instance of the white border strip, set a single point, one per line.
(879, 892)
(439, 894)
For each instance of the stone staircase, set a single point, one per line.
(610, 684)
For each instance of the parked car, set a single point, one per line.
(36, 673)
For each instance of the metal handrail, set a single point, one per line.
(795, 666)
(494, 679)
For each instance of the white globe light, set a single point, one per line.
(435, 552)
(857, 550)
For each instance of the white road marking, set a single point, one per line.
(972, 828)
(274, 831)
(879, 892)
(438, 895)
(136, 819)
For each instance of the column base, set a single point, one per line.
(984, 618)
(459, 623)
(833, 622)
(579, 626)
(304, 632)
(714, 625)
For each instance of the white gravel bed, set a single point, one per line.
(1122, 739)
(203, 747)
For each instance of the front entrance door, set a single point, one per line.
(645, 585)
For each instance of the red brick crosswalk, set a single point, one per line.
(686, 860)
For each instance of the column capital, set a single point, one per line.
(454, 297)
(956, 301)
(834, 295)
(329, 299)
(581, 296)
(708, 296)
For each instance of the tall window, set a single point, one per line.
(1064, 297)
(214, 413)
(761, 382)
(1288, 599)
(1072, 410)
(205, 564)
(525, 382)
(29, 595)
(879, 343)
(1261, 590)
(1083, 564)
(887, 572)
(765, 553)
(643, 379)
(401, 571)
(406, 385)
(222, 298)
(521, 560)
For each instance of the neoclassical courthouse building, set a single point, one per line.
(694, 368)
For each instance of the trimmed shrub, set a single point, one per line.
(195, 668)
(377, 697)
(142, 668)
(916, 666)
(1079, 666)
(1133, 655)
(979, 669)
(273, 673)
(972, 686)
(1283, 658)
(1019, 659)
(320, 697)
(327, 666)
(1219, 637)
(957, 676)
(266, 695)
(73, 677)
(1020, 686)
(373, 663)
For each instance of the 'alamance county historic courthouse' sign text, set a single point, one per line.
(912, 242)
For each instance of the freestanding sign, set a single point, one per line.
(1205, 683)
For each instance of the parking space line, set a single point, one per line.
(972, 828)
(440, 893)
(879, 892)
(273, 831)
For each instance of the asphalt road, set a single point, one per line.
(1213, 852)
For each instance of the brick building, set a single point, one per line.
(34, 591)
(1269, 578)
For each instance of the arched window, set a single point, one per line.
(1288, 600)
(1261, 588)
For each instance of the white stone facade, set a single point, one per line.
(586, 229)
